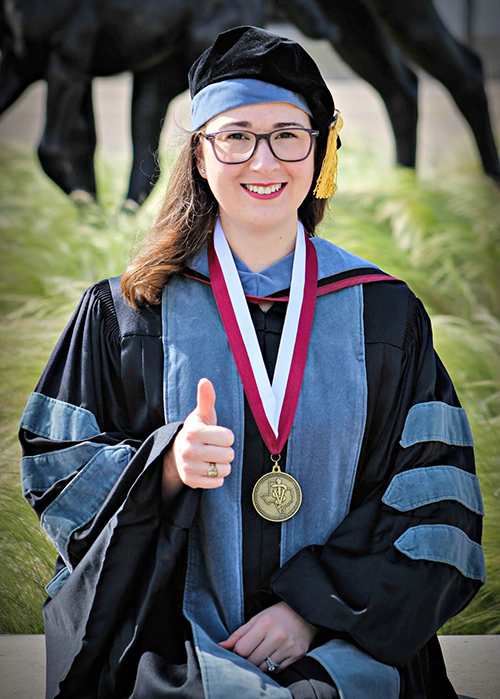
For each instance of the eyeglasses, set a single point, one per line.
(288, 145)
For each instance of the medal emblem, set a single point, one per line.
(276, 496)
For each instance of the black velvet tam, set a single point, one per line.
(251, 52)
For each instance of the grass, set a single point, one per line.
(441, 234)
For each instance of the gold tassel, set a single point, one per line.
(326, 184)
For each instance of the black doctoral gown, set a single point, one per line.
(115, 628)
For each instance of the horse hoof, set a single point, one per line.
(81, 197)
(130, 206)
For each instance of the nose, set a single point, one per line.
(263, 159)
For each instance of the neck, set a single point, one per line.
(260, 248)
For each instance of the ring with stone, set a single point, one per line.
(212, 471)
(271, 665)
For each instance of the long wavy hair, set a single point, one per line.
(185, 223)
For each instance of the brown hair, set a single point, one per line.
(185, 223)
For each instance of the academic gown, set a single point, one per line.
(114, 621)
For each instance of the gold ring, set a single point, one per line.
(212, 471)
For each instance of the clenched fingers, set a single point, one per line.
(194, 474)
(208, 453)
(216, 435)
(206, 482)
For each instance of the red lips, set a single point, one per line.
(256, 195)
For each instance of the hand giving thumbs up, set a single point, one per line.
(200, 443)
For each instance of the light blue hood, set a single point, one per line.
(322, 454)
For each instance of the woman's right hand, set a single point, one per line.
(199, 443)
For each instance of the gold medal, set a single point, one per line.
(276, 496)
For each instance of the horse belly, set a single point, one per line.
(137, 36)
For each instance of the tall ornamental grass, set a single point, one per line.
(441, 234)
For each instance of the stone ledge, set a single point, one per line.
(473, 666)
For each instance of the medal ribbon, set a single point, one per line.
(273, 406)
(321, 290)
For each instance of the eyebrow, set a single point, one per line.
(278, 125)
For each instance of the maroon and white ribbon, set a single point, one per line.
(273, 406)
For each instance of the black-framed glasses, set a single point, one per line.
(234, 147)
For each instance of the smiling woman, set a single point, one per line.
(203, 185)
(253, 465)
(244, 169)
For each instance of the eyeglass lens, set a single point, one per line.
(238, 146)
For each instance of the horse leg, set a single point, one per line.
(13, 80)
(366, 49)
(66, 89)
(420, 32)
(82, 149)
(153, 90)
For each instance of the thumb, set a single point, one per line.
(205, 402)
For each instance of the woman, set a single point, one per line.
(220, 535)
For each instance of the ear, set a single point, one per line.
(200, 161)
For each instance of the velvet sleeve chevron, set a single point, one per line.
(407, 557)
(79, 434)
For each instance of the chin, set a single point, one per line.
(266, 217)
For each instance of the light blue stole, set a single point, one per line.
(322, 455)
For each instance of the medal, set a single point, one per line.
(276, 495)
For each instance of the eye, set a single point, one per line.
(286, 134)
(235, 136)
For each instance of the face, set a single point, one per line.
(231, 184)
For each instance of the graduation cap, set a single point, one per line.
(248, 65)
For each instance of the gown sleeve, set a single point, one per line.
(79, 434)
(407, 557)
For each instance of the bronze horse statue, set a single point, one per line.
(67, 43)
(374, 37)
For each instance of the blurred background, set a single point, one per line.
(436, 226)
(443, 136)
